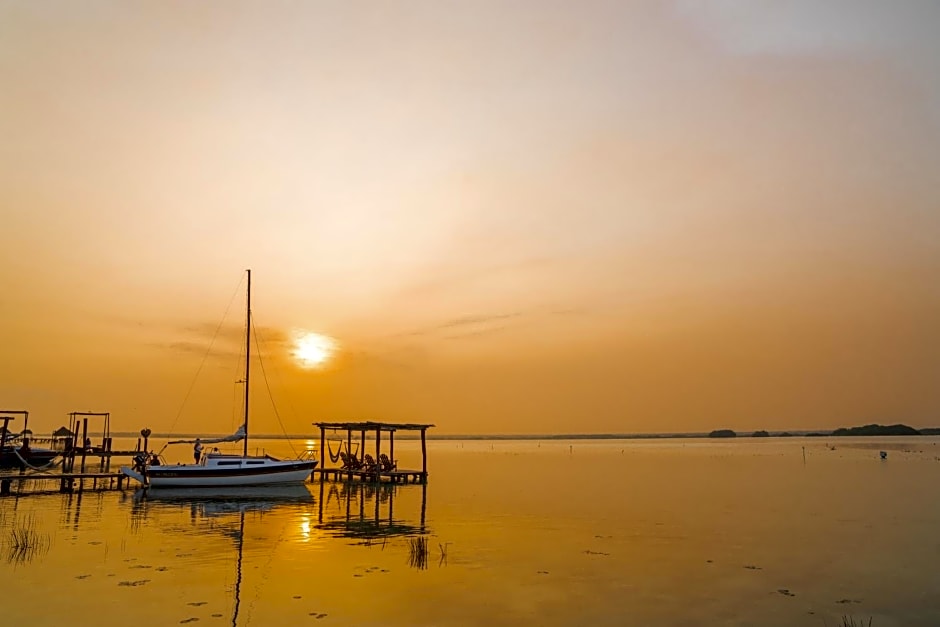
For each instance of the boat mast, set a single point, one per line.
(247, 360)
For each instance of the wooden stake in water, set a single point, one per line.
(804, 454)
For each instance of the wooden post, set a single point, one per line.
(362, 448)
(391, 446)
(424, 454)
(322, 445)
(84, 448)
(3, 432)
(378, 453)
(424, 504)
(377, 499)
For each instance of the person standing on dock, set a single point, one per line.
(197, 450)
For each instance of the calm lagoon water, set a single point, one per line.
(670, 532)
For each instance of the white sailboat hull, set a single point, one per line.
(225, 471)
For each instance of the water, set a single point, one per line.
(674, 532)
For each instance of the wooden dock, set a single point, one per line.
(359, 465)
(63, 482)
(391, 476)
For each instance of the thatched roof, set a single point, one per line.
(62, 432)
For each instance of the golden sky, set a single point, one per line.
(514, 217)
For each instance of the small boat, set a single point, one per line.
(217, 469)
(15, 450)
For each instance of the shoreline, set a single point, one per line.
(537, 437)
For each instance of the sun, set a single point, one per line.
(312, 349)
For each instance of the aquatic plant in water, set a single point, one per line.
(849, 621)
(418, 553)
(25, 541)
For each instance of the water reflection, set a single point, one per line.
(219, 502)
(365, 512)
(223, 511)
(24, 541)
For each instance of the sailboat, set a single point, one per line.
(218, 469)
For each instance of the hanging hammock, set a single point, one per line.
(49, 465)
(334, 457)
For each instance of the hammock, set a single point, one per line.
(50, 464)
(334, 457)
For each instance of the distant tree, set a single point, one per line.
(875, 429)
(723, 433)
(786, 434)
(760, 434)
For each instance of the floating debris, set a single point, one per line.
(136, 583)
(786, 592)
(752, 567)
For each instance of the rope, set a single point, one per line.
(205, 357)
(267, 385)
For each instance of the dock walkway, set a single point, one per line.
(66, 481)
(391, 476)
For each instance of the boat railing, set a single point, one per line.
(308, 456)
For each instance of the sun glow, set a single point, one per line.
(312, 349)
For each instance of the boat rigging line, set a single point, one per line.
(264, 375)
(205, 357)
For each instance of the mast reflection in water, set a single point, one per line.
(224, 505)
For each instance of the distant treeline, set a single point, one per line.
(872, 429)
(898, 429)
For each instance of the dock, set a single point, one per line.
(391, 476)
(358, 465)
(62, 482)
(81, 467)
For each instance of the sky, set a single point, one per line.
(509, 217)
